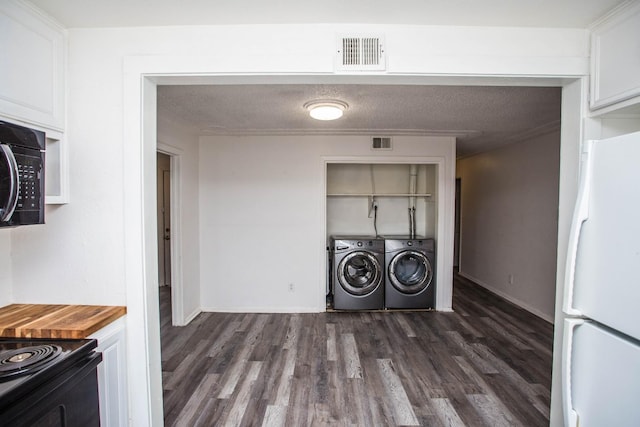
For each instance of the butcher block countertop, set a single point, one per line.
(55, 321)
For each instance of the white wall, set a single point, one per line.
(92, 250)
(182, 144)
(509, 221)
(350, 216)
(81, 250)
(262, 215)
(6, 290)
(611, 127)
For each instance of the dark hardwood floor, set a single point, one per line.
(486, 364)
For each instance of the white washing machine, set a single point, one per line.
(410, 272)
(357, 272)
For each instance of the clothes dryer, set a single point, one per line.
(358, 272)
(410, 272)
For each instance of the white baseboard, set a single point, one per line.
(192, 316)
(509, 298)
(288, 310)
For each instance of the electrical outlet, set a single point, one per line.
(291, 287)
(511, 279)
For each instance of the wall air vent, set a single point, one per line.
(360, 53)
(381, 143)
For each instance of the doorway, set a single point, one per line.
(164, 218)
(169, 232)
(143, 316)
(456, 231)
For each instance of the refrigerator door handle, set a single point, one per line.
(580, 215)
(570, 415)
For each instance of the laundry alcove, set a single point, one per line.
(370, 199)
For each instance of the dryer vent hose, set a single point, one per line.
(412, 223)
(375, 219)
(413, 187)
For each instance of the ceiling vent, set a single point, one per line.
(381, 143)
(361, 53)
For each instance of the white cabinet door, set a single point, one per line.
(112, 374)
(602, 377)
(615, 58)
(31, 66)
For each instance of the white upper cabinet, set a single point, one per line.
(615, 58)
(32, 66)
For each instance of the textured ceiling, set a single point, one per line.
(530, 13)
(481, 117)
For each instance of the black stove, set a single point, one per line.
(48, 382)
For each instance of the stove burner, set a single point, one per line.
(26, 360)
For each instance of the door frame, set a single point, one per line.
(177, 286)
(166, 266)
(457, 230)
(141, 76)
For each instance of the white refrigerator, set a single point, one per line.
(601, 345)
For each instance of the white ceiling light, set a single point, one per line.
(326, 109)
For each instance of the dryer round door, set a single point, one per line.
(359, 273)
(410, 272)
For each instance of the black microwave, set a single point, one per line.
(22, 192)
